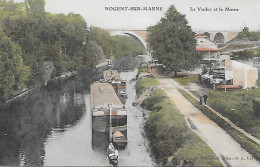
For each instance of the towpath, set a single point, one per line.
(220, 142)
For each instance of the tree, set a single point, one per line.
(173, 42)
(36, 6)
(13, 73)
(96, 52)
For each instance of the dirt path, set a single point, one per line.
(221, 143)
(227, 120)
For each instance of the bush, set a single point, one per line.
(172, 142)
(145, 83)
(243, 55)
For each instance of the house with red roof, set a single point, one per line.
(207, 48)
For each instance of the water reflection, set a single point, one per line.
(26, 125)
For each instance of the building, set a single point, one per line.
(231, 73)
(207, 48)
(241, 74)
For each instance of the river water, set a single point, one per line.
(53, 127)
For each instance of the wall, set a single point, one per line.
(205, 43)
(242, 74)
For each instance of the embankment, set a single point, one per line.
(171, 140)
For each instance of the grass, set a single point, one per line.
(246, 143)
(184, 80)
(236, 47)
(143, 69)
(172, 142)
(238, 107)
(145, 83)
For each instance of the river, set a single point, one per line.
(53, 127)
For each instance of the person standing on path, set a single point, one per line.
(205, 96)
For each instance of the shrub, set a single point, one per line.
(145, 83)
(172, 142)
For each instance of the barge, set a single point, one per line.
(105, 102)
(113, 77)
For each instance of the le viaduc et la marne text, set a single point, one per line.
(207, 9)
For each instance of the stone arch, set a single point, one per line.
(207, 34)
(219, 38)
(135, 36)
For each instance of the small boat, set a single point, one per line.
(119, 139)
(112, 154)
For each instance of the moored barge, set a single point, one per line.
(103, 101)
(113, 77)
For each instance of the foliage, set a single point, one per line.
(115, 47)
(245, 34)
(35, 6)
(63, 40)
(103, 38)
(96, 52)
(125, 46)
(13, 73)
(185, 80)
(172, 41)
(172, 142)
(143, 84)
(125, 63)
(246, 143)
(143, 69)
(245, 55)
(56, 38)
(238, 107)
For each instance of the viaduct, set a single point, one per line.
(141, 35)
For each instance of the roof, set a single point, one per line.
(201, 35)
(206, 49)
(103, 93)
(117, 134)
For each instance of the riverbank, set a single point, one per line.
(224, 107)
(83, 76)
(245, 142)
(171, 141)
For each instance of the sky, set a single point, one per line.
(248, 14)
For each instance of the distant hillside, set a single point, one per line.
(246, 35)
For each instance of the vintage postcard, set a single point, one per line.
(130, 83)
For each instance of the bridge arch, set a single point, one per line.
(135, 36)
(219, 38)
(207, 34)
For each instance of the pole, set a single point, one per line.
(110, 123)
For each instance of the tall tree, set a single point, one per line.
(96, 52)
(36, 6)
(13, 73)
(173, 42)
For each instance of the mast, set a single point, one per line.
(110, 123)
